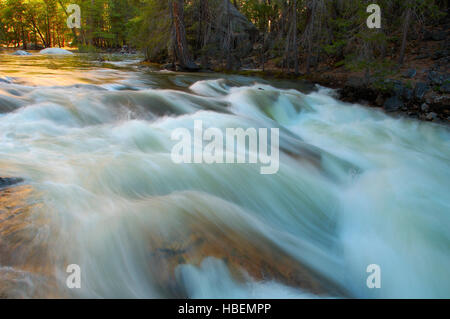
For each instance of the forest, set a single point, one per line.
(227, 34)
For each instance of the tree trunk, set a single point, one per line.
(39, 32)
(294, 13)
(310, 27)
(179, 40)
(405, 35)
(228, 37)
(24, 39)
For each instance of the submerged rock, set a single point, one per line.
(9, 181)
(27, 262)
(244, 252)
(21, 52)
(55, 51)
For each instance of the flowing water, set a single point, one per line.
(92, 141)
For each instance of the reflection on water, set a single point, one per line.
(91, 138)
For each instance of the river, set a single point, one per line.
(92, 141)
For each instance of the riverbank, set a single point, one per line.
(419, 88)
(423, 96)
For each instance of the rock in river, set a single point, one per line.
(21, 52)
(7, 181)
(55, 51)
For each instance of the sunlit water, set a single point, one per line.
(93, 141)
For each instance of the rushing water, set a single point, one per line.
(92, 141)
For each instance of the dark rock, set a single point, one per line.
(410, 73)
(420, 90)
(424, 107)
(408, 94)
(438, 35)
(393, 104)
(9, 181)
(21, 52)
(4, 80)
(438, 100)
(380, 100)
(169, 66)
(431, 116)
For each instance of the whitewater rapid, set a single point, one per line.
(355, 187)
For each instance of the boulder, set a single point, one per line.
(55, 51)
(380, 100)
(9, 181)
(393, 104)
(431, 116)
(420, 90)
(424, 107)
(21, 52)
(5, 79)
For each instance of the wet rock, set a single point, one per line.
(55, 51)
(9, 181)
(5, 80)
(169, 66)
(21, 52)
(245, 252)
(431, 116)
(380, 100)
(420, 90)
(438, 100)
(424, 107)
(393, 104)
(28, 258)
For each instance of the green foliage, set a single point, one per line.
(334, 29)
